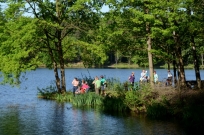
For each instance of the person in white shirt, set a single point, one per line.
(169, 78)
(143, 76)
(156, 77)
(75, 84)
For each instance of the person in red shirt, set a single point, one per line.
(84, 87)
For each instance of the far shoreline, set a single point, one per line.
(120, 66)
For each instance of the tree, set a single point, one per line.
(51, 24)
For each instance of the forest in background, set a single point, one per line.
(148, 33)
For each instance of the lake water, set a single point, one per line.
(43, 77)
(22, 113)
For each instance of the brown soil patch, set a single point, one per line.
(172, 95)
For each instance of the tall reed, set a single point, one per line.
(90, 99)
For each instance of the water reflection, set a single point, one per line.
(59, 118)
(9, 123)
(15, 122)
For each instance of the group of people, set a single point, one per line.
(79, 89)
(144, 77)
(99, 85)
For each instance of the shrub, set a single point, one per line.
(115, 102)
(114, 84)
(137, 100)
(47, 92)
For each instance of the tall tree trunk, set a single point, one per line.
(174, 70)
(196, 65)
(151, 68)
(178, 85)
(149, 44)
(63, 82)
(181, 76)
(59, 47)
(168, 64)
(57, 79)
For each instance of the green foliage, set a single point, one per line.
(55, 33)
(139, 99)
(90, 99)
(65, 97)
(159, 109)
(115, 103)
(48, 92)
(114, 84)
(16, 55)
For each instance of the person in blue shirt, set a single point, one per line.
(103, 84)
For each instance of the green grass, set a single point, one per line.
(123, 65)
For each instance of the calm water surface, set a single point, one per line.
(22, 113)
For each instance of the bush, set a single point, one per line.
(137, 100)
(115, 102)
(47, 92)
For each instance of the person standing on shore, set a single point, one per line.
(169, 78)
(156, 77)
(132, 79)
(97, 84)
(103, 85)
(75, 84)
(143, 76)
